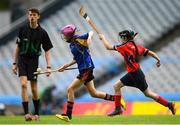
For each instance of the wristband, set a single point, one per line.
(14, 63)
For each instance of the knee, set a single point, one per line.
(151, 94)
(70, 90)
(116, 87)
(147, 94)
(93, 94)
(23, 85)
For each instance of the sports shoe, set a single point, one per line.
(172, 107)
(36, 118)
(117, 111)
(28, 117)
(63, 117)
(123, 104)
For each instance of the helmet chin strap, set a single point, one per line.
(72, 39)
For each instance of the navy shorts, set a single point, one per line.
(135, 79)
(27, 66)
(86, 75)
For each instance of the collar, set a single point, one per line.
(38, 27)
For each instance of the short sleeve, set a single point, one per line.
(46, 42)
(84, 36)
(142, 50)
(19, 37)
(82, 39)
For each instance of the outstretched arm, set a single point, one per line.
(62, 68)
(105, 42)
(154, 55)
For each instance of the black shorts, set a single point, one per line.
(135, 79)
(27, 66)
(86, 75)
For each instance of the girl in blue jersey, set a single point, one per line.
(79, 49)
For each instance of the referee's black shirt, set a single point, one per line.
(30, 41)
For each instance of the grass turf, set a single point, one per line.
(133, 119)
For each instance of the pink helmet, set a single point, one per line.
(68, 30)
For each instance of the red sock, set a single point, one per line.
(117, 100)
(162, 101)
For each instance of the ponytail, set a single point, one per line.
(131, 39)
(137, 52)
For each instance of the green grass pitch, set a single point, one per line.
(133, 119)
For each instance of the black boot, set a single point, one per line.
(117, 111)
(171, 107)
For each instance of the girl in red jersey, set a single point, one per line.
(135, 77)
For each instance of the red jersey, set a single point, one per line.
(128, 51)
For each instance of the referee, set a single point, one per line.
(26, 55)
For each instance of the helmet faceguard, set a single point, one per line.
(130, 37)
(128, 34)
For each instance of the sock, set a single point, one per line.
(36, 106)
(25, 107)
(109, 97)
(117, 101)
(162, 101)
(69, 109)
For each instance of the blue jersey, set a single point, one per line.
(79, 49)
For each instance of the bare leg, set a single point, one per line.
(70, 91)
(24, 95)
(160, 100)
(34, 90)
(93, 92)
(150, 94)
(117, 88)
